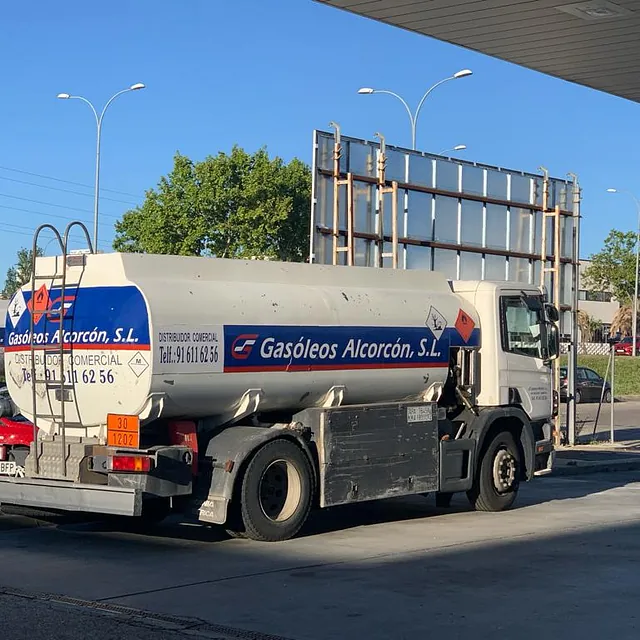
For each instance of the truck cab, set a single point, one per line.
(519, 341)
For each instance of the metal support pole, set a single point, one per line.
(96, 199)
(99, 118)
(573, 347)
(613, 377)
(335, 231)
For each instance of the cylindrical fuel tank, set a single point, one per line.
(177, 336)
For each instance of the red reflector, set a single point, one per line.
(140, 464)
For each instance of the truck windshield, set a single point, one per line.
(522, 328)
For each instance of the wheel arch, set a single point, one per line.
(511, 419)
(230, 452)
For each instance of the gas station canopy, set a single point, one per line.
(594, 43)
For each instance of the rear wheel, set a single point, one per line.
(498, 477)
(276, 493)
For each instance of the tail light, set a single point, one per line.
(556, 403)
(130, 464)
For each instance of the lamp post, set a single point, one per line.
(413, 117)
(458, 147)
(99, 118)
(634, 310)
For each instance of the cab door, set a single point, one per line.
(523, 335)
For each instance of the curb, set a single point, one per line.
(628, 398)
(578, 468)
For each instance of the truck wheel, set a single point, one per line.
(276, 492)
(498, 477)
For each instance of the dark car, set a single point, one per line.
(588, 386)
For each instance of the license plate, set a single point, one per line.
(8, 468)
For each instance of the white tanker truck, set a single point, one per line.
(249, 392)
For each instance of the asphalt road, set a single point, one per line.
(565, 563)
(626, 421)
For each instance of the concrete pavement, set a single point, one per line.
(595, 453)
(626, 421)
(564, 563)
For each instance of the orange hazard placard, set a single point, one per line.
(465, 325)
(123, 431)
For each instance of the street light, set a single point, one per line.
(413, 117)
(458, 147)
(99, 118)
(634, 311)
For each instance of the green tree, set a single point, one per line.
(614, 267)
(20, 273)
(236, 205)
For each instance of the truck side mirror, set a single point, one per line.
(552, 312)
(553, 342)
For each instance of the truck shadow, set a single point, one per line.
(350, 516)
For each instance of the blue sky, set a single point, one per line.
(259, 73)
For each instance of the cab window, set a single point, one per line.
(521, 328)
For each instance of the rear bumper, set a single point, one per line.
(70, 496)
(545, 457)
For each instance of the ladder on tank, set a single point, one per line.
(62, 383)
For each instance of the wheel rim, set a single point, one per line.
(280, 490)
(504, 471)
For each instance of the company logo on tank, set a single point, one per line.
(254, 348)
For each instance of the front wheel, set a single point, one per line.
(276, 492)
(606, 399)
(498, 477)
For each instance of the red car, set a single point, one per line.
(16, 436)
(625, 346)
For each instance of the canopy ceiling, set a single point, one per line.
(595, 43)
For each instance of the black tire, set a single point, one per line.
(606, 398)
(501, 459)
(276, 493)
(578, 396)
